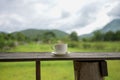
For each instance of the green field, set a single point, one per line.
(56, 70)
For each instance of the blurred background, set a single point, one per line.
(36, 25)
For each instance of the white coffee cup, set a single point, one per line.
(60, 48)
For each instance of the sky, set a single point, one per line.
(82, 16)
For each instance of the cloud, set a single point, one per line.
(115, 11)
(66, 15)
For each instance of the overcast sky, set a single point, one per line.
(82, 16)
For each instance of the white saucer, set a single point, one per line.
(59, 54)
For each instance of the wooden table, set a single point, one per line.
(87, 66)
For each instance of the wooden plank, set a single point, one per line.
(38, 75)
(33, 56)
(87, 71)
(103, 68)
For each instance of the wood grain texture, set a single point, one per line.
(33, 56)
(87, 71)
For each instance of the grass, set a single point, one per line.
(56, 70)
(17, 71)
(32, 47)
(114, 70)
(51, 70)
(82, 47)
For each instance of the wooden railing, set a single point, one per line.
(87, 66)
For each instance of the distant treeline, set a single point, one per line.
(108, 36)
(9, 40)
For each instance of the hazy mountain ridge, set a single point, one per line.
(33, 33)
(113, 26)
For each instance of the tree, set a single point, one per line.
(20, 37)
(2, 43)
(9, 36)
(3, 35)
(48, 36)
(2, 40)
(109, 36)
(117, 36)
(98, 36)
(73, 36)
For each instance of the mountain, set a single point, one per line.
(33, 33)
(85, 36)
(113, 26)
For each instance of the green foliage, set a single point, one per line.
(2, 43)
(109, 36)
(32, 47)
(73, 36)
(86, 45)
(99, 46)
(2, 40)
(65, 39)
(98, 36)
(7, 41)
(73, 47)
(85, 39)
(48, 37)
(10, 43)
(20, 37)
(117, 35)
(73, 44)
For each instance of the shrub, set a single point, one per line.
(2, 44)
(99, 46)
(73, 44)
(86, 46)
(11, 43)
